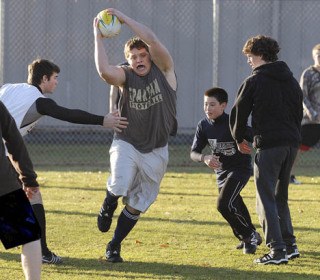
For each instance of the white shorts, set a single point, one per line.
(136, 176)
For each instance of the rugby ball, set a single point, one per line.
(109, 25)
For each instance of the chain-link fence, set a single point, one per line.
(205, 38)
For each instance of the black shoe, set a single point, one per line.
(294, 181)
(250, 244)
(259, 241)
(51, 258)
(274, 257)
(292, 252)
(105, 217)
(113, 253)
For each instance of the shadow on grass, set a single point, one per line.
(151, 219)
(97, 268)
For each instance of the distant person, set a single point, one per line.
(27, 104)
(232, 168)
(18, 225)
(310, 84)
(139, 154)
(274, 99)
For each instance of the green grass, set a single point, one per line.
(182, 236)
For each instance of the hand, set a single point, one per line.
(121, 16)
(96, 31)
(30, 191)
(244, 147)
(112, 120)
(212, 161)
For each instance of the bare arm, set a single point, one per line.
(159, 53)
(113, 75)
(114, 93)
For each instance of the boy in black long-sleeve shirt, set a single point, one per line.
(232, 168)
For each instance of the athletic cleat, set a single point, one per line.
(292, 252)
(105, 217)
(241, 244)
(113, 253)
(250, 244)
(51, 258)
(294, 181)
(273, 257)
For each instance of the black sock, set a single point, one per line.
(110, 199)
(39, 212)
(126, 222)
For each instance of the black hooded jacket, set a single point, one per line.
(274, 98)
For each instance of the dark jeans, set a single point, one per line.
(272, 168)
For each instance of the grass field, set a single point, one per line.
(182, 236)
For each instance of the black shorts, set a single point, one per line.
(18, 225)
(310, 134)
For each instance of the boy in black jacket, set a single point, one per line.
(274, 98)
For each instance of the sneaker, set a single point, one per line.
(113, 253)
(250, 244)
(241, 244)
(105, 217)
(51, 258)
(273, 257)
(292, 252)
(294, 181)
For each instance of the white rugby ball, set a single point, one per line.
(109, 25)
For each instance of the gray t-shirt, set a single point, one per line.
(149, 104)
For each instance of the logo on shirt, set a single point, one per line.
(142, 99)
(224, 148)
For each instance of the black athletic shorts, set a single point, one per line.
(310, 134)
(18, 225)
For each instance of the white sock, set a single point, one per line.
(31, 260)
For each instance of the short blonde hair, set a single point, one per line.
(316, 47)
